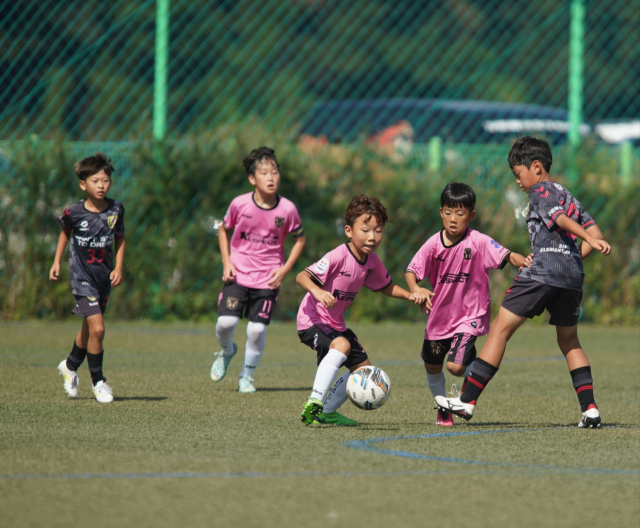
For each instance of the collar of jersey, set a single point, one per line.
(109, 204)
(456, 243)
(253, 198)
(361, 262)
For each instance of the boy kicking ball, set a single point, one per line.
(332, 284)
(93, 224)
(553, 281)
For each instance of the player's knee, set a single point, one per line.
(455, 369)
(255, 331)
(226, 325)
(96, 331)
(341, 345)
(432, 369)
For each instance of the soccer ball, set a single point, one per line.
(368, 388)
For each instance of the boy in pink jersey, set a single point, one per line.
(456, 261)
(332, 284)
(254, 269)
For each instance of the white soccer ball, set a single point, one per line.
(368, 388)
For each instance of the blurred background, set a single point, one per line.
(388, 98)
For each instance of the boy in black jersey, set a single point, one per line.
(93, 224)
(553, 281)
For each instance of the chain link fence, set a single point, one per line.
(388, 98)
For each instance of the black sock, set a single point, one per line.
(481, 374)
(76, 357)
(95, 367)
(583, 384)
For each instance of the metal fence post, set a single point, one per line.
(576, 81)
(160, 78)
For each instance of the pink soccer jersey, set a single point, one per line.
(460, 282)
(257, 244)
(342, 274)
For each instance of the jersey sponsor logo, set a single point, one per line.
(345, 274)
(93, 303)
(84, 225)
(232, 303)
(558, 186)
(269, 240)
(279, 221)
(321, 266)
(344, 295)
(245, 216)
(112, 219)
(449, 278)
(495, 245)
(467, 253)
(474, 324)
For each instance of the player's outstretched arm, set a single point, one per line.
(564, 222)
(395, 291)
(520, 261)
(277, 275)
(228, 269)
(320, 295)
(423, 296)
(586, 249)
(63, 240)
(116, 274)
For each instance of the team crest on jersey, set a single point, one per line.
(112, 219)
(279, 221)
(467, 253)
(232, 303)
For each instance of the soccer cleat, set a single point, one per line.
(70, 379)
(245, 384)
(455, 406)
(333, 418)
(444, 419)
(590, 418)
(219, 367)
(103, 392)
(311, 409)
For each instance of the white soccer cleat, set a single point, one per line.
(219, 367)
(245, 385)
(590, 418)
(455, 406)
(70, 379)
(102, 392)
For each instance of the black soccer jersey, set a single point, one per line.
(91, 253)
(556, 256)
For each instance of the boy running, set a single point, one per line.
(456, 261)
(93, 224)
(553, 281)
(332, 284)
(255, 267)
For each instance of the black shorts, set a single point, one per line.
(528, 298)
(461, 348)
(88, 306)
(319, 338)
(255, 304)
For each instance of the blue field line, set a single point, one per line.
(365, 445)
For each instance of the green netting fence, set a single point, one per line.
(387, 98)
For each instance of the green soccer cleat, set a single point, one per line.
(219, 367)
(333, 418)
(311, 409)
(245, 385)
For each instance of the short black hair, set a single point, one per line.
(457, 194)
(529, 149)
(256, 156)
(93, 165)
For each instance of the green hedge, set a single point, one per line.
(173, 193)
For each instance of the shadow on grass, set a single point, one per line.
(278, 389)
(140, 398)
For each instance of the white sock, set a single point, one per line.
(225, 332)
(256, 339)
(436, 384)
(338, 394)
(468, 371)
(326, 373)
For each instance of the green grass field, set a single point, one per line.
(175, 449)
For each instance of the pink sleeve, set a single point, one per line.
(493, 254)
(321, 270)
(378, 278)
(231, 216)
(420, 264)
(295, 224)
